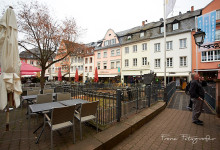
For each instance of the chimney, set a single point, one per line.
(180, 13)
(192, 8)
(143, 23)
(161, 19)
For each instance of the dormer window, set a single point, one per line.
(142, 34)
(161, 29)
(175, 26)
(113, 41)
(109, 35)
(129, 37)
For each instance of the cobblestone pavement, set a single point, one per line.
(173, 129)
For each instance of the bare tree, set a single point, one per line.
(40, 30)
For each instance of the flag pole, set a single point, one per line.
(164, 43)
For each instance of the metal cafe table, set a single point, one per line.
(45, 107)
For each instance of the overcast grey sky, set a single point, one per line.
(97, 16)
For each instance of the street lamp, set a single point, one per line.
(199, 37)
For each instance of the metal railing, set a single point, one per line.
(210, 95)
(169, 91)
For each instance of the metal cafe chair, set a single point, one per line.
(87, 112)
(63, 96)
(60, 118)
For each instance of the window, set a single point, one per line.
(86, 69)
(126, 62)
(86, 60)
(175, 26)
(99, 55)
(142, 34)
(105, 55)
(129, 37)
(134, 61)
(105, 43)
(134, 48)
(98, 65)
(71, 60)
(78, 59)
(169, 62)
(183, 61)
(75, 59)
(90, 69)
(217, 35)
(144, 61)
(210, 55)
(81, 67)
(112, 65)
(118, 52)
(169, 45)
(31, 62)
(126, 50)
(112, 52)
(118, 64)
(161, 29)
(113, 41)
(144, 46)
(157, 63)
(182, 43)
(90, 59)
(105, 65)
(217, 55)
(157, 47)
(204, 56)
(217, 14)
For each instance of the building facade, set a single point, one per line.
(208, 60)
(107, 58)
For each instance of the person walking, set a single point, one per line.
(197, 94)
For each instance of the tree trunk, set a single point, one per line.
(42, 79)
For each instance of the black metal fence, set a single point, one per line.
(169, 91)
(210, 95)
(116, 103)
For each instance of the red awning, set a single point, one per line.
(28, 68)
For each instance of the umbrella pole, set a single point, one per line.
(7, 118)
(10, 99)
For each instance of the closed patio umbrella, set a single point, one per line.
(76, 79)
(10, 83)
(96, 78)
(59, 75)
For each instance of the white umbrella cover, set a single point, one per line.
(10, 61)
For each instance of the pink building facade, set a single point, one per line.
(107, 58)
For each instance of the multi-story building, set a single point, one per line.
(107, 58)
(135, 53)
(209, 59)
(89, 69)
(178, 47)
(29, 58)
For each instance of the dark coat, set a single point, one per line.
(196, 90)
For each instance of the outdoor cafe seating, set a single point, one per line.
(87, 112)
(60, 118)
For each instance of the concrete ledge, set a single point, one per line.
(114, 135)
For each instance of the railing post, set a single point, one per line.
(118, 104)
(165, 95)
(137, 99)
(149, 94)
(217, 104)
